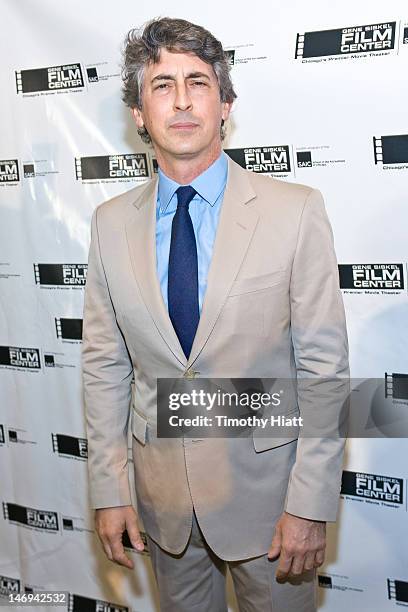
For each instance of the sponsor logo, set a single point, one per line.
(9, 586)
(51, 79)
(78, 603)
(20, 357)
(98, 73)
(396, 386)
(387, 278)
(316, 157)
(398, 590)
(69, 329)
(38, 167)
(9, 172)
(112, 167)
(243, 54)
(349, 41)
(63, 275)
(92, 75)
(373, 487)
(44, 520)
(128, 544)
(391, 151)
(336, 582)
(70, 446)
(264, 160)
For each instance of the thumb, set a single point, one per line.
(134, 535)
(276, 543)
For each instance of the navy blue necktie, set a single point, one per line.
(182, 290)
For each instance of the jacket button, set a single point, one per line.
(190, 373)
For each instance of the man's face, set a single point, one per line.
(181, 106)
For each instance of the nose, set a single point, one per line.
(182, 100)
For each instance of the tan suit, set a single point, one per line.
(272, 308)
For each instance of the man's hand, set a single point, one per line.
(300, 542)
(110, 524)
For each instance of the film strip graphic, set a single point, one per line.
(398, 590)
(396, 386)
(37, 276)
(5, 511)
(19, 82)
(300, 45)
(378, 152)
(69, 329)
(78, 603)
(78, 168)
(69, 445)
(391, 149)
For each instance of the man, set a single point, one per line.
(208, 271)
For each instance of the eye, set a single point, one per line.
(199, 83)
(162, 86)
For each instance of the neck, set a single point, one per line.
(185, 169)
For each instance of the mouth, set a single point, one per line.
(184, 126)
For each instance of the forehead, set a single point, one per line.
(173, 63)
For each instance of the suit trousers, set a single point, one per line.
(195, 581)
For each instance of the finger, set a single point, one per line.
(134, 535)
(118, 553)
(276, 544)
(106, 548)
(319, 560)
(298, 565)
(284, 565)
(310, 560)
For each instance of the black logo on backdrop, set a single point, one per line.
(405, 38)
(128, 544)
(131, 165)
(372, 276)
(69, 445)
(46, 520)
(396, 386)
(2, 436)
(373, 487)
(391, 149)
(78, 603)
(230, 53)
(9, 586)
(28, 170)
(20, 357)
(263, 159)
(60, 274)
(304, 159)
(9, 172)
(69, 329)
(92, 75)
(398, 590)
(53, 78)
(344, 41)
(325, 582)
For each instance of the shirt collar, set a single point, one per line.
(208, 184)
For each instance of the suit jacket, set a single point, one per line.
(272, 308)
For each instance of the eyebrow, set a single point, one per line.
(170, 77)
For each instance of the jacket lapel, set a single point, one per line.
(236, 224)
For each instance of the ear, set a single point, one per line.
(226, 109)
(137, 116)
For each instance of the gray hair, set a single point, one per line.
(142, 46)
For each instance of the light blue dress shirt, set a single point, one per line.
(204, 211)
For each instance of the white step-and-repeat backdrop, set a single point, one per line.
(322, 100)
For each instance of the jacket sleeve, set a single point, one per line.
(107, 373)
(320, 344)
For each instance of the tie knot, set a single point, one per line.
(185, 194)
